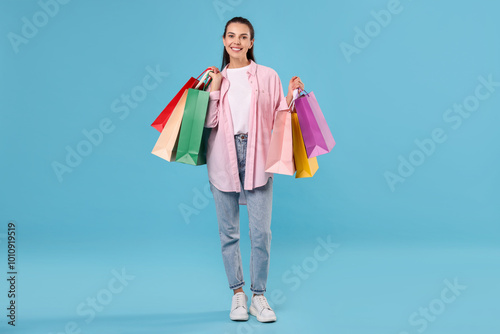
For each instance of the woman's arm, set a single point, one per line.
(282, 103)
(212, 118)
(294, 83)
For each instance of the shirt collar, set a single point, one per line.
(251, 69)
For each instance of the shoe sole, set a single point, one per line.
(253, 312)
(243, 318)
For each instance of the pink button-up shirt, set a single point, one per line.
(222, 164)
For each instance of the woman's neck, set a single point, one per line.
(237, 63)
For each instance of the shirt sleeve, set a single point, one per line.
(280, 98)
(212, 118)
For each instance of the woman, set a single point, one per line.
(244, 100)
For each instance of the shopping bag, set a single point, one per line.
(317, 136)
(166, 145)
(280, 155)
(193, 136)
(306, 167)
(161, 120)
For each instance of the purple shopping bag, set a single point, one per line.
(317, 136)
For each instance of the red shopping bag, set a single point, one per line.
(161, 120)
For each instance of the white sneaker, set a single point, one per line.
(261, 309)
(239, 309)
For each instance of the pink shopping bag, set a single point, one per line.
(280, 154)
(317, 136)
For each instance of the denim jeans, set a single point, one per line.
(259, 206)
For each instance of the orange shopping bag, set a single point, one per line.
(166, 145)
(306, 167)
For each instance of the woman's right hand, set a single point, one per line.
(216, 78)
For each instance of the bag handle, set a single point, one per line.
(296, 95)
(197, 78)
(302, 90)
(205, 80)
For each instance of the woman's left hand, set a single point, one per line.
(295, 83)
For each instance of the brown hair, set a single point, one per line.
(225, 55)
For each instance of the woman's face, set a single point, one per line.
(237, 40)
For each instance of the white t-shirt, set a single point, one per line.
(239, 95)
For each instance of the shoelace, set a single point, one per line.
(262, 301)
(240, 301)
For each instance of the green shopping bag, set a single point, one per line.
(193, 136)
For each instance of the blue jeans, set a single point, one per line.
(259, 206)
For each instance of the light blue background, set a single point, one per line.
(121, 206)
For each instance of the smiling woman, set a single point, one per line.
(244, 100)
(238, 40)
